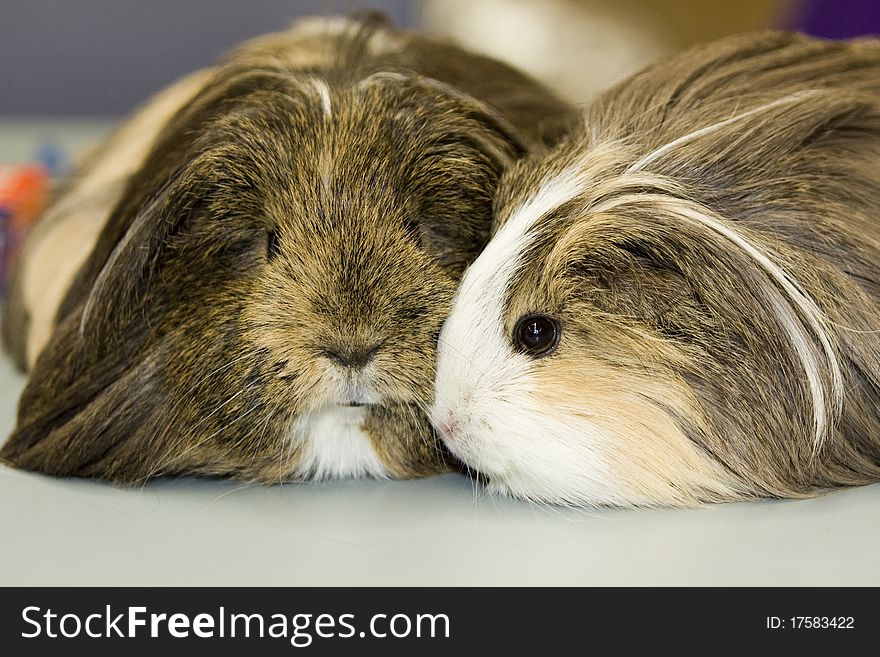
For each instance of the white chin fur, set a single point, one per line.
(335, 446)
(527, 454)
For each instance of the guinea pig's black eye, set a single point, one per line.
(536, 335)
(272, 247)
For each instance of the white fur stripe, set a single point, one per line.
(323, 91)
(501, 256)
(696, 134)
(382, 77)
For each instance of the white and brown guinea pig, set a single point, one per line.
(249, 278)
(682, 304)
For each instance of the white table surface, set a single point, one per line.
(436, 531)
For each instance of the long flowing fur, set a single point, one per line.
(714, 266)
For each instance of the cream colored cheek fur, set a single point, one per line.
(572, 433)
(621, 417)
(503, 431)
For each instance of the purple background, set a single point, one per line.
(837, 19)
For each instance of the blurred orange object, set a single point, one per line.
(24, 190)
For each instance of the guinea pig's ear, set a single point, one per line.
(159, 198)
(109, 291)
(88, 408)
(516, 142)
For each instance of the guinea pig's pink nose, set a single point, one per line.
(447, 429)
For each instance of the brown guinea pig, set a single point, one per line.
(248, 279)
(681, 304)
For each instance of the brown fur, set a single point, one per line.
(648, 295)
(265, 232)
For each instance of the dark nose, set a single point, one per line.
(358, 357)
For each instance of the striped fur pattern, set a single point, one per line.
(709, 244)
(249, 278)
